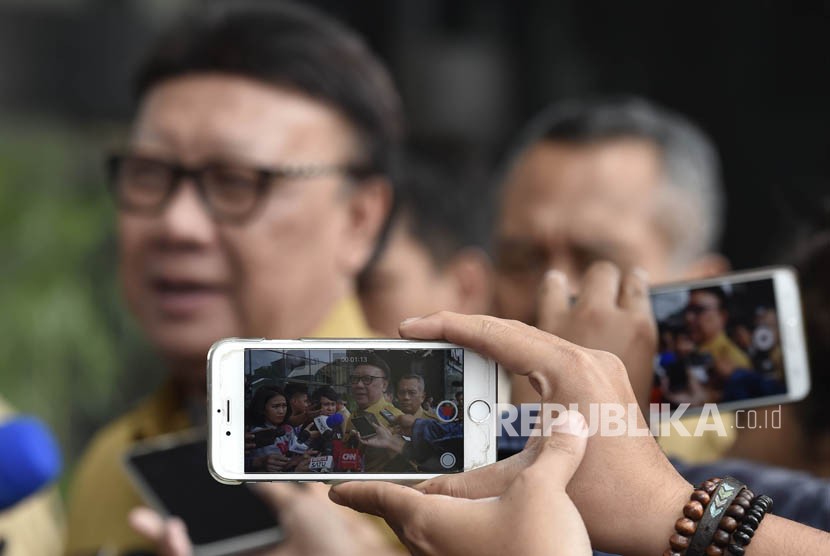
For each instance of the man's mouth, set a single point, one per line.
(183, 297)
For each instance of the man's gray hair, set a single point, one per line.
(413, 376)
(692, 210)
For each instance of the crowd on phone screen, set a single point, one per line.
(246, 111)
(285, 432)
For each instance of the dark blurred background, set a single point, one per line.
(752, 74)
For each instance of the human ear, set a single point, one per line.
(472, 277)
(368, 206)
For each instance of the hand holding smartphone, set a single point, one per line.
(735, 340)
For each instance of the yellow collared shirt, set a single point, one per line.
(710, 446)
(421, 414)
(721, 347)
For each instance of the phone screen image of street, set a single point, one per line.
(718, 344)
(354, 411)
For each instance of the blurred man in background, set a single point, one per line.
(629, 182)
(251, 194)
(618, 180)
(433, 259)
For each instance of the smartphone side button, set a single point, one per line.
(479, 411)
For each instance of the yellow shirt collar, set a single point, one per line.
(345, 320)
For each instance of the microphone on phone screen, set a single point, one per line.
(29, 459)
(334, 420)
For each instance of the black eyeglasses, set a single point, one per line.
(366, 379)
(697, 310)
(144, 184)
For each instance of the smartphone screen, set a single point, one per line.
(718, 344)
(324, 406)
(220, 519)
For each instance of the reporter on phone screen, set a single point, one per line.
(624, 489)
(271, 411)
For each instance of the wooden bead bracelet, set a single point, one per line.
(686, 526)
(741, 538)
(721, 517)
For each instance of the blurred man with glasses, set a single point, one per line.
(252, 192)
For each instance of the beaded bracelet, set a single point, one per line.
(760, 506)
(730, 521)
(709, 539)
(707, 529)
(686, 526)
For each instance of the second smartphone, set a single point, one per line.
(735, 340)
(323, 409)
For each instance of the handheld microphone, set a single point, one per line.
(29, 459)
(321, 423)
(334, 420)
(333, 431)
(325, 423)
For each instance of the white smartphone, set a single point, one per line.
(736, 340)
(170, 474)
(322, 409)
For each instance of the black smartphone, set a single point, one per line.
(265, 437)
(364, 425)
(171, 475)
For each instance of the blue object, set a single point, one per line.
(334, 420)
(29, 459)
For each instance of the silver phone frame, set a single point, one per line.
(226, 382)
(790, 324)
(225, 547)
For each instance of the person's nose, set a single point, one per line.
(185, 219)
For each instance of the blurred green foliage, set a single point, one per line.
(68, 351)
